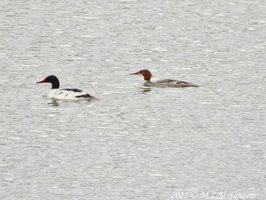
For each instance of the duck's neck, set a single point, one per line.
(147, 77)
(55, 84)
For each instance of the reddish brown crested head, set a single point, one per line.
(145, 73)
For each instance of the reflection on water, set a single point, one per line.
(129, 145)
(145, 89)
(54, 103)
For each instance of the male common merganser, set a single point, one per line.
(64, 94)
(162, 83)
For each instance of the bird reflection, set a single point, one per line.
(54, 103)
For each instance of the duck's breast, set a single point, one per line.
(66, 94)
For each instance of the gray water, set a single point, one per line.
(133, 144)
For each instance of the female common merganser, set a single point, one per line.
(162, 83)
(64, 94)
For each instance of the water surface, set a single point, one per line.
(132, 144)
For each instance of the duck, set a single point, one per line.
(162, 83)
(65, 94)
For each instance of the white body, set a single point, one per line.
(61, 94)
